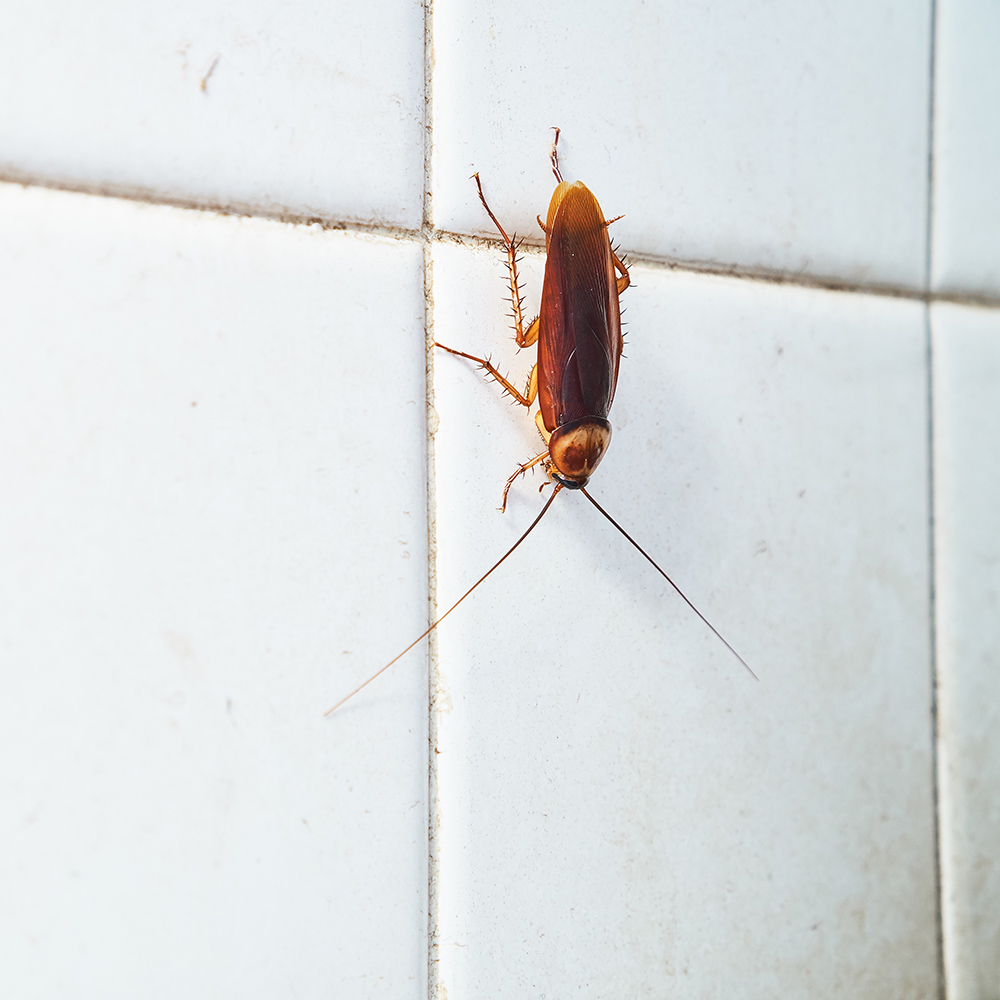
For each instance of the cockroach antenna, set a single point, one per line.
(578, 332)
(652, 563)
(496, 565)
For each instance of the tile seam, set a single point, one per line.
(936, 776)
(934, 715)
(428, 234)
(433, 979)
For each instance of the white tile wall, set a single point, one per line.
(616, 807)
(197, 537)
(617, 793)
(967, 149)
(775, 136)
(272, 109)
(967, 425)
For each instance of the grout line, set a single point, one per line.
(931, 125)
(248, 210)
(428, 234)
(433, 669)
(936, 760)
(435, 987)
(937, 818)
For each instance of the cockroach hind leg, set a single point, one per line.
(511, 244)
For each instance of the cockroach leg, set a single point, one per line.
(515, 292)
(530, 335)
(623, 281)
(555, 156)
(521, 470)
(542, 429)
(495, 374)
(532, 386)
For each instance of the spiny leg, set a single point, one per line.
(525, 399)
(523, 338)
(555, 156)
(623, 281)
(521, 470)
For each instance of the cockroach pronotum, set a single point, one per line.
(579, 336)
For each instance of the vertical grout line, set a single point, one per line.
(433, 676)
(929, 222)
(434, 988)
(936, 754)
(936, 776)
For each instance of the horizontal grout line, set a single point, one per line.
(768, 277)
(243, 210)
(535, 247)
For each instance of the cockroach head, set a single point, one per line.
(576, 450)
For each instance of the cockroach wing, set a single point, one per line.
(580, 340)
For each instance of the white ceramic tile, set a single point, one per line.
(780, 136)
(967, 492)
(212, 524)
(623, 810)
(967, 147)
(307, 108)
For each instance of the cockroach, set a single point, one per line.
(579, 336)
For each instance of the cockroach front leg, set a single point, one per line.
(541, 458)
(521, 470)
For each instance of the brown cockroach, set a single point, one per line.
(579, 335)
